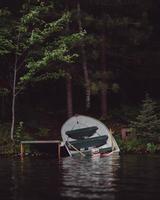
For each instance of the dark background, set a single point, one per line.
(135, 76)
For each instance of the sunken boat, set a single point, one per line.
(83, 135)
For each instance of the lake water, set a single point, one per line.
(127, 177)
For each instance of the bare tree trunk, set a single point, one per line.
(13, 100)
(14, 91)
(69, 97)
(84, 62)
(104, 83)
(69, 80)
(103, 103)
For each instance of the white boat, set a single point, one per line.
(83, 135)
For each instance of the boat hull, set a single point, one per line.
(86, 136)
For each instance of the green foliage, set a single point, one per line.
(42, 133)
(36, 10)
(97, 84)
(6, 44)
(18, 133)
(151, 147)
(4, 12)
(115, 87)
(137, 146)
(39, 40)
(4, 134)
(124, 114)
(50, 76)
(50, 43)
(4, 91)
(141, 31)
(6, 145)
(40, 34)
(37, 44)
(147, 123)
(131, 146)
(94, 87)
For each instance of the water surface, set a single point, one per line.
(125, 177)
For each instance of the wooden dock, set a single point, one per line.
(56, 142)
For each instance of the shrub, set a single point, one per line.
(147, 123)
(151, 147)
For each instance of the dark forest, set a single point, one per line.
(63, 57)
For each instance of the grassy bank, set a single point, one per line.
(137, 146)
(7, 147)
(25, 132)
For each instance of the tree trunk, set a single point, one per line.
(84, 62)
(104, 83)
(69, 79)
(69, 97)
(14, 90)
(13, 100)
(2, 107)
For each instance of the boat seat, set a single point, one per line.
(105, 150)
(82, 133)
(89, 142)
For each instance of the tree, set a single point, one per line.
(69, 95)
(116, 34)
(39, 47)
(147, 123)
(104, 71)
(84, 62)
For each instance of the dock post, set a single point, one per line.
(59, 151)
(21, 150)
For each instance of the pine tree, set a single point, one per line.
(147, 123)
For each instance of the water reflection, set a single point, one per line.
(32, 179)
(5, 179)
(139, 177)
(126, 177)
(90, 178)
